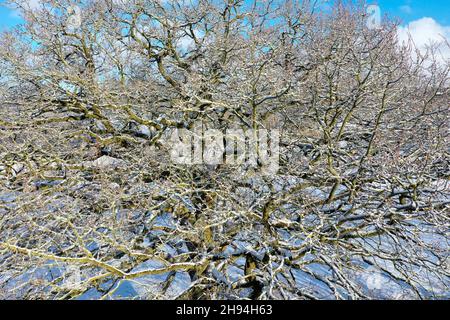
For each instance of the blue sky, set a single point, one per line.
(6, 17)
(410, 10)
(407, 10)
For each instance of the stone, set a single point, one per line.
(43, 183)
(140, 130)
(107, 162)
(114, 186)
(343, 144)
(99, 127)
(18, 168)
(144, 131)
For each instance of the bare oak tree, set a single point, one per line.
(90, 201)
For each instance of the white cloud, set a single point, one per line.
(425, 31)
(406, 9)
(34, 3)
(28, 4)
